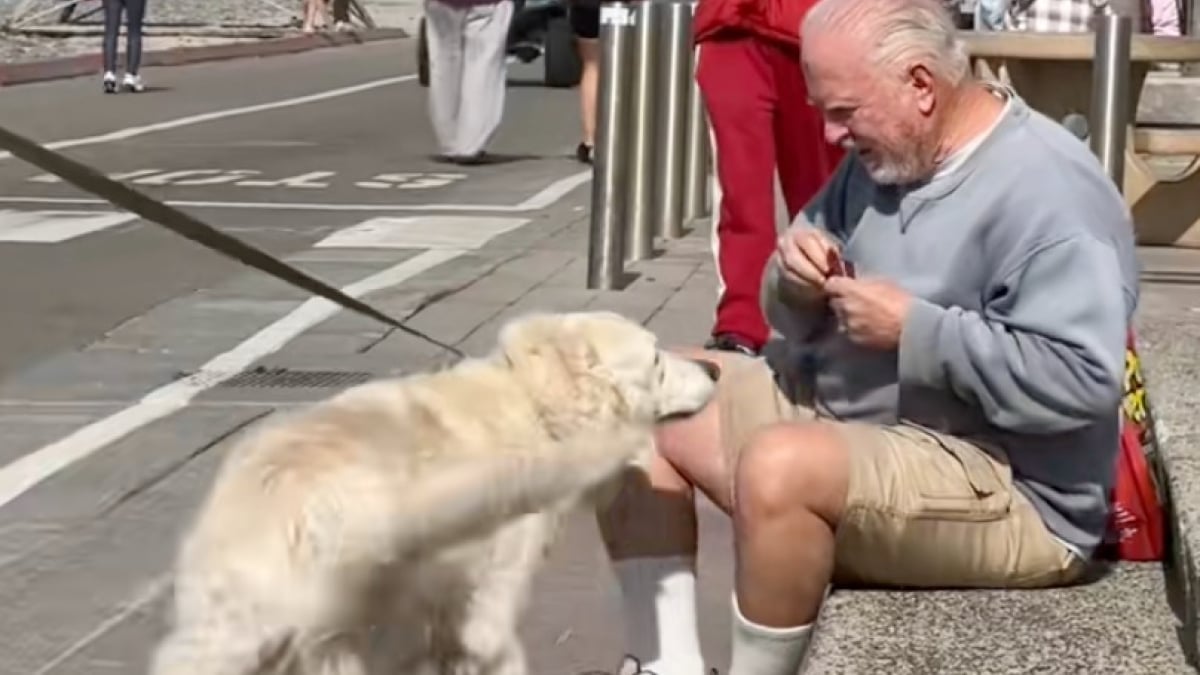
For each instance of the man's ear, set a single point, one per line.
(924, 87)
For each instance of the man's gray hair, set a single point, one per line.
(898, 33)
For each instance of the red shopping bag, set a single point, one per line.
(1136, 524)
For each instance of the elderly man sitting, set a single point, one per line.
(947, 415)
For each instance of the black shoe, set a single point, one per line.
(583, 153)
(728, 342)
(629, 666)
(476, 159)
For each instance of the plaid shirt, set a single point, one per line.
(1050, 16)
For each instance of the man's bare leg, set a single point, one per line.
(791, 483)
(790, 489)
(650, 533)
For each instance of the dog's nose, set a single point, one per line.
(711, 369)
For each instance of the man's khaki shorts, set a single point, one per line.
(923, 509)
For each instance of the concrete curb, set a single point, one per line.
(90, 64)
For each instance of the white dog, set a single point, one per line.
(395, 528)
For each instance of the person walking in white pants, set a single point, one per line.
(468, 42)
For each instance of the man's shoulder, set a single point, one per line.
(1040, 170)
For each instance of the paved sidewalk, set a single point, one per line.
(88, 547)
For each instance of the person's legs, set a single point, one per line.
(112, 30)
(135, 14)
(805, 159)
(812, 501)
(314, 15)
(585, 22)
(444, 27)
(886, 506)
(739, 95)
(484, 80)
(650, 530)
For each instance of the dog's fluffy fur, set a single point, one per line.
(394, 528)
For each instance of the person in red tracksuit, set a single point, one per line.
(749, 75)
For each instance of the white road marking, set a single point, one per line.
(186, 178)
(52, 227)
(422, 232)
(541, 199)
(410, 181)
(544, 198)
(131, 132)
(307, 180)
(21, 475)
(554, 191)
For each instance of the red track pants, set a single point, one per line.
(757, 105)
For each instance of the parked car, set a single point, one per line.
(540, 28)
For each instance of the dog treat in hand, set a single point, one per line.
(839, 267)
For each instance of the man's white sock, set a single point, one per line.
(762, 650)
(659, 600)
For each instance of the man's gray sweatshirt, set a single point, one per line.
(1023, 265)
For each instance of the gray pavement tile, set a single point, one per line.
(573, 239)
(102, 374)
(29, 426)
(86, 490)
(58, 593)
(337, 271)
(638, 307)
(514, 278)
(121, 647)
(699, 300)
(452, 320)
(680, 328)
(197, 315)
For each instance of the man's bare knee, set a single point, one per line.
(793, 465)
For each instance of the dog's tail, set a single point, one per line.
(464, 498)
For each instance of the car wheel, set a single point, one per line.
(562, 63)
(422, 55)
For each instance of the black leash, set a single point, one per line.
(88, 179)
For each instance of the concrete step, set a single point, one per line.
(1120, 624)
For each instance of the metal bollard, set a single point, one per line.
(639, 232)
(606, 235)
(1110, 93)
(673, 87)
(695, 174)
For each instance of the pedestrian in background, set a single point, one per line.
(468, 67)
(585, 23)
(749, 75)
(135, 14)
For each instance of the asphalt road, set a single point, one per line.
(309, 143)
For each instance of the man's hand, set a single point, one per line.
(804, 259)
(871, 311)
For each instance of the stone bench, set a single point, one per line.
(1136, 618)
(1166, 140)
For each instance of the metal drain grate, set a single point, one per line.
(276, 378)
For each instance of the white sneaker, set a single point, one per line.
(133, 83)
(110, 82)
